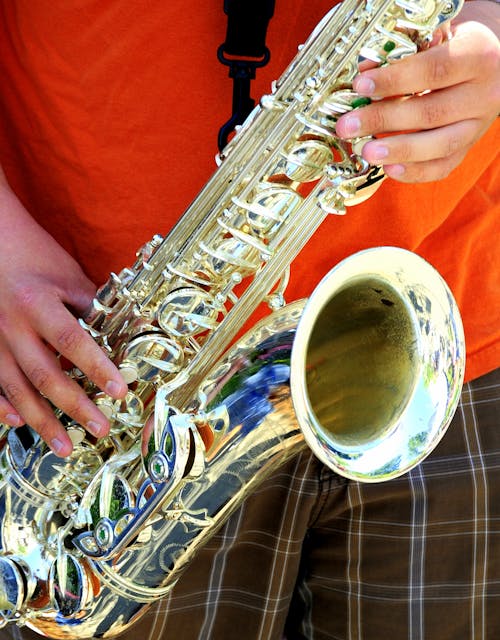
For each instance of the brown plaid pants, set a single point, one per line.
(314, 556)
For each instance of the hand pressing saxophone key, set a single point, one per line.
(431, 108)
(32, 332)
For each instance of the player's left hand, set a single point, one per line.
(433, 106)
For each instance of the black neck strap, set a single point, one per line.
(243, 51)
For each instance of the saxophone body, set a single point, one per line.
(90, 541)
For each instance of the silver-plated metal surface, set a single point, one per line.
(378, 364)
(89, 541)
(99, 588)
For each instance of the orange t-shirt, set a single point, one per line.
(109, 113)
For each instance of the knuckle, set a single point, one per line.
(76, 413)
(95, 372)
(68, 340)
(433, 113)
(431, 171)
(376, 118)
(438, 70)
(77, 408)
(443, 172)
(388, 80)
(13, 392)
(418, 176)
(404, 151)
(452, 162)
(25, 296)
(40, 378)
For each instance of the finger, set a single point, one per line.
(440, 66)
(43, 370)
(427, 111)
(429, 171)
(423, 145)
(41, 376)
(62, 331)
(35, 410)
(8, 414)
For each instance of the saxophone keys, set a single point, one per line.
(128, 411)
(331, 202)
(266, 212)
(150, 357)
(307, 159)
(76, 434)
(105, 404)
(186, 312)
(159, 467)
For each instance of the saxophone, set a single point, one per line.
(367, 372)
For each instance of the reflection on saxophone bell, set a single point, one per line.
(367, 372)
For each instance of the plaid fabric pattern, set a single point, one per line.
(313, 556)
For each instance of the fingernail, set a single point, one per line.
(364, 86)
(112, 388)
(351, 125)
(57, 445)
(95, 428)
(13, 419)
(394, 170)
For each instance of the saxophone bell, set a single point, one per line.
(377, 364)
